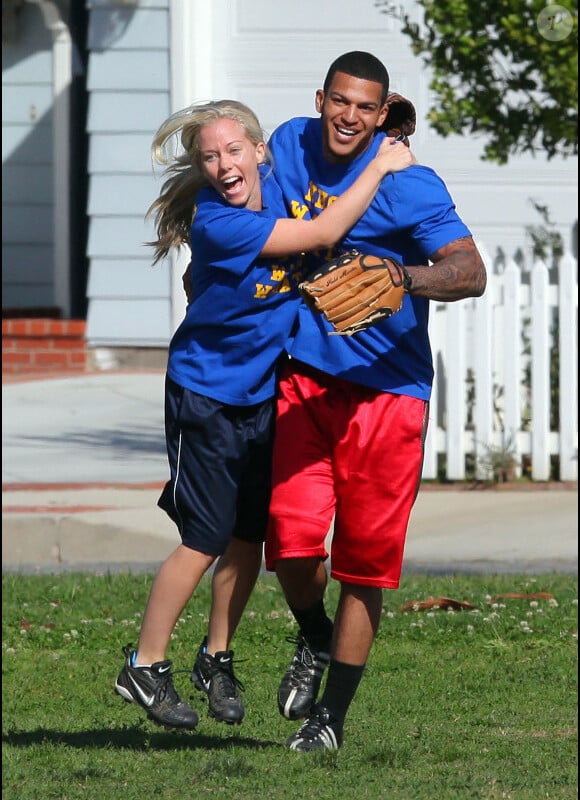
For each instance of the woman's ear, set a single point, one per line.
(261, 152)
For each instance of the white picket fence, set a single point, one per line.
(492, 391)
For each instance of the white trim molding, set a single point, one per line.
(191, 58)
(61, 84)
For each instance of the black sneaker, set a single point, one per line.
(321, 731)
(152, 689)
(299, 687)
(214, 675)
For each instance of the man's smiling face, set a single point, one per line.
(351, 111)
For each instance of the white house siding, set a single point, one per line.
(128, 84)
(28, 267)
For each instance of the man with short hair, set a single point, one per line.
(353, 410)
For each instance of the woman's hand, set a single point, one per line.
(394, 156)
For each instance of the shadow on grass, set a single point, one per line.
(134, 738)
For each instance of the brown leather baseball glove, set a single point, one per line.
(354, 291)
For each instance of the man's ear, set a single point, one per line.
(382, 115)
(319, 100)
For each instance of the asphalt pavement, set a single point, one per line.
(83, 463)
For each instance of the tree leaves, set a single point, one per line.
(495, 73)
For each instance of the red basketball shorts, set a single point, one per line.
(346, 452)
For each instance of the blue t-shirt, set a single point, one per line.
(243, 307)
(411, 217)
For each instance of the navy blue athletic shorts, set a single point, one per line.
(220, 464)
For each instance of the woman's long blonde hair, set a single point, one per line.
(173, 209)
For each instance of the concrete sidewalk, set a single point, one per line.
(84, 463)
(101, 427)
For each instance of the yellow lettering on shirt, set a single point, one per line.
(283, 279)
(284, 286)
(262, 290)
(322, 199)
(298, 210)
(315, 198)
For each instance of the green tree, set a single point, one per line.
(507, 69)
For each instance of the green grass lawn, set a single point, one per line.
(454, 705)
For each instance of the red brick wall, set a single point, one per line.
(43, 345)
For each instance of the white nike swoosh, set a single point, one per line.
(147, 699)
(163, 669)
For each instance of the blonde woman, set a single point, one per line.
(221, 198)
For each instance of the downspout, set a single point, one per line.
(61, 83)
(191, 62)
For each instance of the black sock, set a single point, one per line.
(341, 685)
(315, 625)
